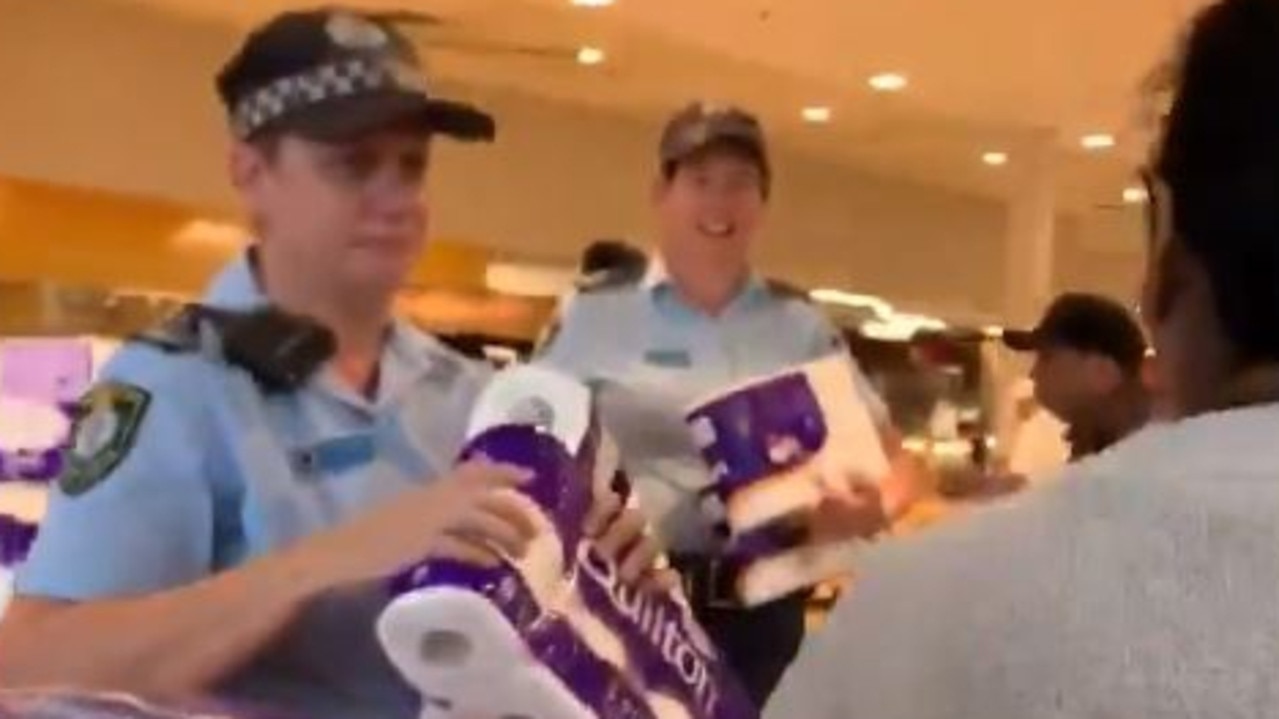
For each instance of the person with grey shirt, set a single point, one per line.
(1147, 587)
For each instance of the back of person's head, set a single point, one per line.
(611, 255)
(1219, 160)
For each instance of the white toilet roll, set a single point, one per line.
(535, 396)
(448, 642)
(854, 446)
(460, 651)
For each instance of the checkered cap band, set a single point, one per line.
(344, 78)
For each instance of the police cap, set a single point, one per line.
(333, 75)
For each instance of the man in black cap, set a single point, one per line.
(218, 532)
(1089, 354)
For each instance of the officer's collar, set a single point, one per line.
(657, 279)
(236, 287)
(655, 275)
(412, 345)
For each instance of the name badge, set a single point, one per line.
(669, 358)
(335, 456)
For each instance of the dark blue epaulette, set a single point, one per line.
(178, 333)
(783, 290)
(279, 349)
(611, 279)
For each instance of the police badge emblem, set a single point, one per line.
(405, 76)
(708, 108)
(354, 32)
(106, 425)
(697, 133)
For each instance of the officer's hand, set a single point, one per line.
(854, 512)
(482, 516)
(621, 535)
(471, 515)
(906, 483)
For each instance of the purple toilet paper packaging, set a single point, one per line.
(776, 446)
(34, 437)
(40, 383)
(16, 537)
(553, 635)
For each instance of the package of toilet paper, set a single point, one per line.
(555, 634)
(771, 565)
(776, 445)
(33, 439)
(40, 383)
(16, 537)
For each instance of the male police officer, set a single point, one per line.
(1089, 355)
(214, 536)
(656, 336)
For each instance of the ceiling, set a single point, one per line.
(984, 75)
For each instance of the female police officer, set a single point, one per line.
(694, 320)
(211, 536)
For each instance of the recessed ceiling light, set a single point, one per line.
(816, 114)
(888, 82)
(995, 159)
(1097, 141)
(1135, 195)
(588, 55)
(592, 3)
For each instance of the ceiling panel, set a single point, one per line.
(985, 74)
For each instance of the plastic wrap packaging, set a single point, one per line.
(40, 383)
(777, 445)
(553, 635)
(16, 537)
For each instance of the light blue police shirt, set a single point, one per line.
(220, 473)
(651, 355)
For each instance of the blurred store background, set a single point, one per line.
(934, 183)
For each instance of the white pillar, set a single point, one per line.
(1031, 225)
(1028, 264)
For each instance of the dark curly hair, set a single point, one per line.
(1219, 157)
